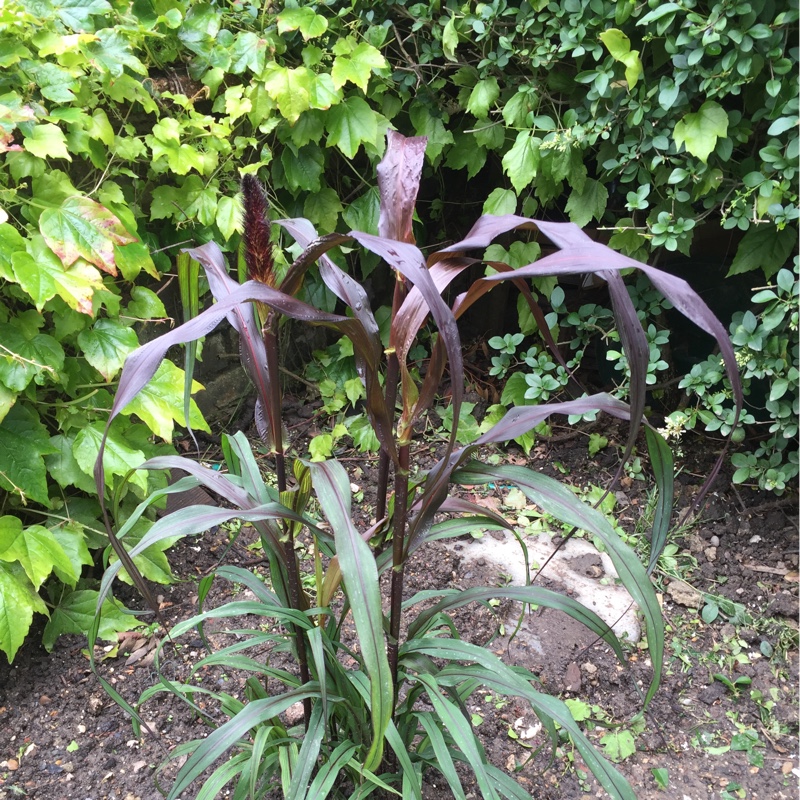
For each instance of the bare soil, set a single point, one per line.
(62, 737)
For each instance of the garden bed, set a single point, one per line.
(733, 736)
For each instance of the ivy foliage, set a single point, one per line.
(125, 128)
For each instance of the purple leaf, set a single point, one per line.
(484, 232)
(409, 262)
(367, 347)
(398, 181)
(251, 343)
(521, 419)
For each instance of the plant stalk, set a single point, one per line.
(392, 379)
(270, 336)
(398, 560)
(391, 384)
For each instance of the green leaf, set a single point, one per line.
(618, 744)
(322, 92)
(106, 345)
(42, 275)
(82, 228)
(514, 390)
(27, 356)
(7, 400)
(430, 124)
(23, 443)
(619, 45)
(229, 215)
(35, 548)
(766, 248)
(710, 612)
(305, 19)
(587, 204)
(46, 141)
(499, 202)
(290, 89)
(450, 39)
(360, 575)
(181, 158)
(77, 14)
(700, 131)
(323, 209)
(75, 613)
(54, 82)
(303, 167)
(466, 154)
(118, 459)
(249, 52)
(18, 601)
(132, 258)
(111, 52)
(145, 304)
(661, 777)
(72, 539)
(351, 123)
(596, 444)
(482, 97)
(201, 200)
(166, 203)
(63, 467)
(362, 433)
(160, 404)
(10, 242)
(516, 109)
(521, 162)
(321, 447)
(363, 213)
(356, 67)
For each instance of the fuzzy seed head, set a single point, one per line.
(257, 244)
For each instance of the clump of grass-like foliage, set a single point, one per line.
(364, 730)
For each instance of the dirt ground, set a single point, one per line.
(702, 738)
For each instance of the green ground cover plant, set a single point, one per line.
(363, 730)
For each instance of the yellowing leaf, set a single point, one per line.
(35, 548)
(160, 403)
(229, 215)
(42, 275)
(699, 131)
(46, 141)
(118, 458)
(82, 228)
(450, 40)
(356, 67)
(289, 88)
(619, 45)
